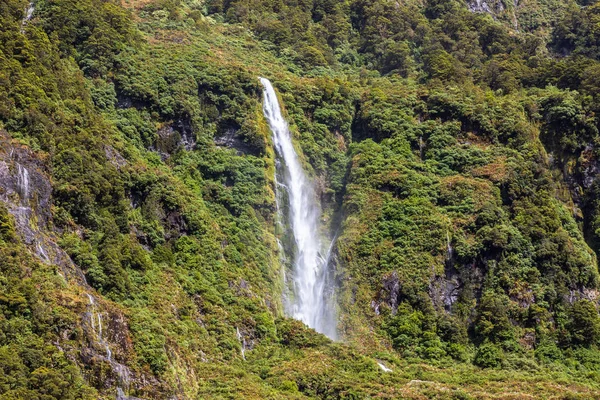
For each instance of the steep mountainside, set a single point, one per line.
(453, 147)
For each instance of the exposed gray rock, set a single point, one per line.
(479, 6)
(114, 157)
(232, 140)
(26, 191)
(391, 291)
(174, 136)
(247, 338)
(108, 344)
(590, 167)
(375, 307)
(184, 127)
(492, 7)
(582, 293)
(121, 395)
(444, 290)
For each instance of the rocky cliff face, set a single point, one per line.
(105, 348)
(498, 9)
(26, 191)
(492, 7)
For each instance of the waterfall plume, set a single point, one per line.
(311, 300)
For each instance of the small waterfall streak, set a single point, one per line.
(28, 14)
(108, 352)
(242, 342)
(23, 183)
(95, 319)
(310, 303)
(383, 367)
(92, 302)
(96, 322)
(100, 326)
(41, 252)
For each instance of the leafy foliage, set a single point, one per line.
(455, 158)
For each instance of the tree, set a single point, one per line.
(585, 323)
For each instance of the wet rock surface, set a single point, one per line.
(121, 396)
(491, 7)
(106, 347)
(25, 190)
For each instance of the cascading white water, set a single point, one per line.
(242, 342)
(383, 367)
(311, 303)
(97, 329)
(95, 320)
(28, 14)
(23, 182)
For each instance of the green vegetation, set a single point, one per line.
(455, 154)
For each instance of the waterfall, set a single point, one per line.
(95, 320)
(23, 182)
(39, 250)
(97, 328)
(242, 342)
(28, 14)
(312, 297)
(383, 367)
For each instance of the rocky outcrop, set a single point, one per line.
(391, 287)
(174, 136)
(25, 190)
(121, 395)
(114, 157)
(106, 347)
(498, 9)
(232, 140)
(444, 290)
(491, 7)
(247, 338)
